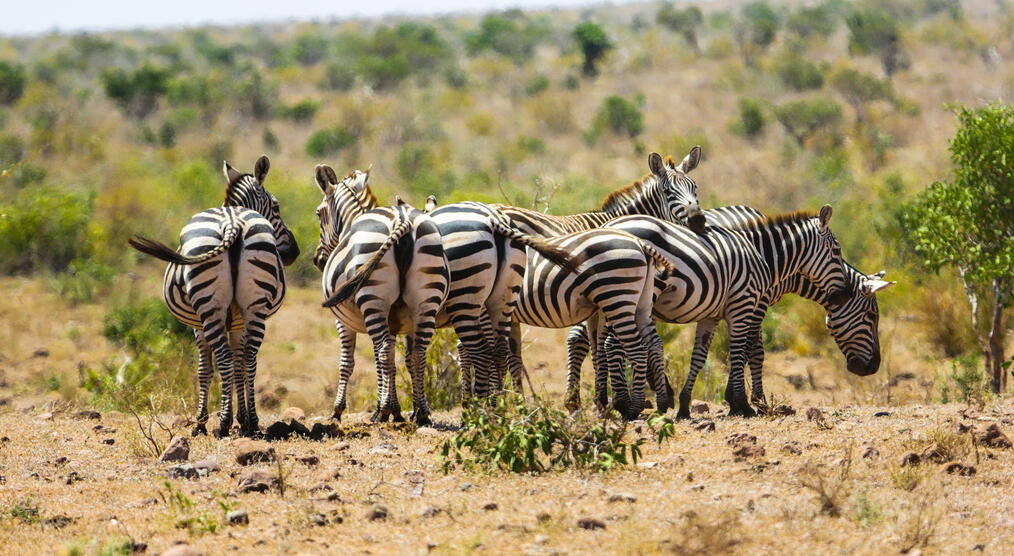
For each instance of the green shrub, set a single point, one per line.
(803, 119)
(329, 141)
(592, 41)
(682, 22)
(875, 31)
(800, 74)
(302, 111)
(808, 21)
(510, 34)
(617, 115)
(514, 438)
(339, 76)
(383, 72)
(308, 49)
(136, 92)
(756, 30)
(12, 82)
(23, 174)
(752, 120)
(536, 84)
(12, 150)
(167, 135)
(968, 378)
(44, 229)
(84, 280)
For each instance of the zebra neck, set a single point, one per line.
(806, 289)
(785, 246)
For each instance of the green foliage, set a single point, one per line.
(188, 515)
(339, 76)
(800, 74)
(44, 228)
(756, 29)
(329, 141)
(875, 31)
(302, 111)
(594, 44)
(514, 438)
(803, 119)
(510, 34)
(859, 88)
(684, 22)
(84, 280)
(968, 378)
(256, 96)
(752, 118)
(12, 150)
(536, 84)
(12, 82)
(383, 72)
(392, 54)
(442, 371)
(136, 92)
(308, 49)
(809, 21)
(617, 115)
(147, 326)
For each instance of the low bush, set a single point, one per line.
(329, 141)
(44, 229)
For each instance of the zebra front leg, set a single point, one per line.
(476, 358)
(224, 361)
(205, 369)
(515, 363)
(702, 343)
(346, 364)
(757, 368)
(387, 393)
(416, 346)
(578, 347)
(611, 358)
(656, 369)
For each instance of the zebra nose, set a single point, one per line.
(860, 367)
(695, 218)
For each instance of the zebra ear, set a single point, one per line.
(431, 203)
(872, 285)
(691, 161)
(656, 165)
(231, 174)
(323, 178)
(261, 168)
(825, 217)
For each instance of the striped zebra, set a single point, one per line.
(668, 193)
(368, 255)
(853, 325)
(224, 282)
(726, 274)
(612, 286)
(486, 272)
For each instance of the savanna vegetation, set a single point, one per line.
(895, 112)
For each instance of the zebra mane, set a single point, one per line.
(367, 194)
(234, 185)
(620, 197)
(762, 222)
(670, 161)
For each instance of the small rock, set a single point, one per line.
(870, 452)
(590, 523)
(960, 469)
(238, 517)
(340, 447)
(177, 450)
(910, 458)
(430, 511)
(377, 513)
(279, 430)
(700, 408)
(622, 497)
(490, 506)
(87, 414)
(792, 448)
(703, 425)
(543, 517)
(253, 451)
(73, 477)
(58, 521)
(740, 438)
(465, 487)
(647, 464)
(41, 352)
(61, 460)
(185, 471)
(993, 437)
(292, 413)
(541, 539)
(935, 453)
(749, 451)
(783, 410)
(47, 416)
(205, 467)
(181, 422)
(320, 431)
(182, 550)
(269, 401)
(384, 448)
(427, 431)
(882, 414)
(309, 460)
(814, 414)
(320, 487)
(257, 480)
(108, 441)
(318, 519)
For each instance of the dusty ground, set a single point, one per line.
(689, 493)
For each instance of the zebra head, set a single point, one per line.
(343, 201)
(824, 266)
(246, 190)
(854, 325)
(679, 188)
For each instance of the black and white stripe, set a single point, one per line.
(224, 282)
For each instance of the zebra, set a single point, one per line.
(726, 274)
(224, 282)
(365, 284)
(486, 271)
(612, 286)
(852, 325)
(667, 192)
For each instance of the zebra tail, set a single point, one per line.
(668, 269)
(162, 251)
(349, 288)
(556, 255)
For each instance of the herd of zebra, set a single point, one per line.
(649, 254)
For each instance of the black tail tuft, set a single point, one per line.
(158, 250)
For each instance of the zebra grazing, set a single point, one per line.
(668, 193)
(726, 274)
(613, 286)
(853, 325)
(224, 282)
(365, 282)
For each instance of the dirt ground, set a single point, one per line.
(689, 495)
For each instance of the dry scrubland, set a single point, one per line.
(83, 326)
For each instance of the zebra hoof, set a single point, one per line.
(622, 406)
(683, 414)
(222, 432)
(377, 417)
(199, 429)
(396, 417)
(572, 404)
(421, 418)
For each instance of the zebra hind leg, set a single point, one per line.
(237, 341)
(578, 347)
(387, 394)
(346, 364)
(702, 343)
(415, 347)
(252, 345)
(205, 370)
